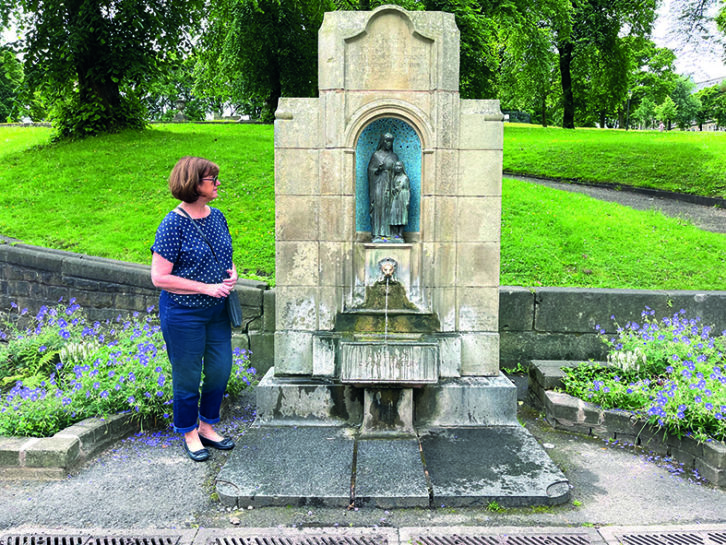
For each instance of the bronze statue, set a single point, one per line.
(380, 175)
(401, 190)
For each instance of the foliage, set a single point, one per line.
(687, 104)
(60, 369)
(645, 112)
(256, 51)
(89, 59)
(529, 77)
(670, 372)
(713, 104)
(11, 81)
(594, 37)
(478, 24)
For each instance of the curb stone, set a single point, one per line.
(52, 457)
(566, 412)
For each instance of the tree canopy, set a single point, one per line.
(92, 58)
(105, 66)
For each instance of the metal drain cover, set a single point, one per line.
(298, 540)
(504, 539)
(673, 538)
(46, 539)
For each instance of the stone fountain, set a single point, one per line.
(386, 387)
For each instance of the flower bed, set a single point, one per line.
(57, 370)
(567, 412)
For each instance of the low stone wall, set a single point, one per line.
(565, 412)
(559, 323)
(52, 457)
(534, 324)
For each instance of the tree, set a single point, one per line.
(645, 112)
(713, 105)
(255, 51)
(597, 26)
(529, 79)
(666, 112)
(686, 102)
(177, 86)
(91, 58)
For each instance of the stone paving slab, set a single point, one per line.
(324, 466)
(502, 464)
(279, 466)
(390, 473)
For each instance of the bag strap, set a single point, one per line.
(201, 233)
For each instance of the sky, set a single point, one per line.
(702, 60)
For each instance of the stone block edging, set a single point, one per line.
(569, 413)
(52, 457)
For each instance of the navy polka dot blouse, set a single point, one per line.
(178, 241)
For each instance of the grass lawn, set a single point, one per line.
(105, 196)
(679, 161)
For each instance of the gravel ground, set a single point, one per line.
(708, 218)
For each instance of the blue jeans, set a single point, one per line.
(198, 340)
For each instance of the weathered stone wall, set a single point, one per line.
(534, 324)
(559, 323)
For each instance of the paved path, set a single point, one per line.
(147, 482)
(708, 218)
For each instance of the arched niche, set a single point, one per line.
(407, 145)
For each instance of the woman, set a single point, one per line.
(195, 281)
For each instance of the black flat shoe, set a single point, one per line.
(224, 444)
(198, 455)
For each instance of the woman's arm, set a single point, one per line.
(162, 278)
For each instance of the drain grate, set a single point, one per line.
(40, 539)
(299, 540)
(502, 539)
(44, 539)
(674, 538)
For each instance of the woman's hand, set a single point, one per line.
(218, 290)
(233, 277)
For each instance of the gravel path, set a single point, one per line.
(708, 218)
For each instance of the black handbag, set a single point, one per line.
(234, 308)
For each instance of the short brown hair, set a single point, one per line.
(186, 176)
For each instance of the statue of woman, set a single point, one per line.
(380, 174)
(401, 191)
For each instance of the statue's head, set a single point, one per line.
(386, 141)
(398, 167)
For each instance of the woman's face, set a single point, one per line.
(207, 189)
(388, 142)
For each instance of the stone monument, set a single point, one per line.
(388, 201)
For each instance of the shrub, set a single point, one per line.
(669, 372)
(60, 369)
